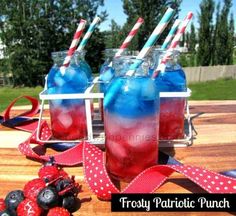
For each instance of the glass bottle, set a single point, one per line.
(172, 109)
(68, 119)
(131, 121)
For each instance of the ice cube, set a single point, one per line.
(107, 74)
(132, 85)
(59, 81)
(65, 119)
(142, 137)
(117, 150)
(148, 90)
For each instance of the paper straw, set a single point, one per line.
(174, 43)
(171, 34)
(151, 40)
(130, 36)
(73, 46)
(128, 39)
(88, 33)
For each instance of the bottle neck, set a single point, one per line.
(109, 54)
(172, 61)
(78, 57)
(122, 66)
(59, 57)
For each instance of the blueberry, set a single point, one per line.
(6, 213)
(62, 184)
(13, 199)
(70, 203)
(48, 198)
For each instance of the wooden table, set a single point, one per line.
(214, 147)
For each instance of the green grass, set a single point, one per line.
(224, 89)
(7, 94)
(234, 60)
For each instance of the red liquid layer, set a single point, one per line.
(68, 123)
(172, 118)
(131, 145)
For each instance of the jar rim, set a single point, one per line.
(129, 57)
(174, 51)
(64, 53)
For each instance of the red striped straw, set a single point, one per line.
(73, 45)
(130, 36)
(174, 43)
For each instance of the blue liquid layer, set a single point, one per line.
(106, 75)
(87, 69)
(131, 97)
(171, 81)
(73, 81)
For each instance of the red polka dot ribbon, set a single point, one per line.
(99, 182)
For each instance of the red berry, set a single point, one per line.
(2, 205)
(28, 208)
(48, 173)
(63, 173)
(58, 211)
(33, 187)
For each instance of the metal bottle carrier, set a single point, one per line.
(95, 127)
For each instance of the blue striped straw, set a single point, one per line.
(171, 34)
(151, 41)
(88, 33)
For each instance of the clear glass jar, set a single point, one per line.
(172, 109)
(79, 61)
(131, 121)
(68, 119)
(107, 73)
(108, 57)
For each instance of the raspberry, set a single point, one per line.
(33, 187)
(63, 174)
(28, 208)
(12, 200)
(2, 205)
(58, 211)
(48, 173)
(48, 198)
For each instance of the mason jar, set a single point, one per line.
(131, 107)
(68, 117)
(172, 109)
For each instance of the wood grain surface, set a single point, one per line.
(214, 147)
